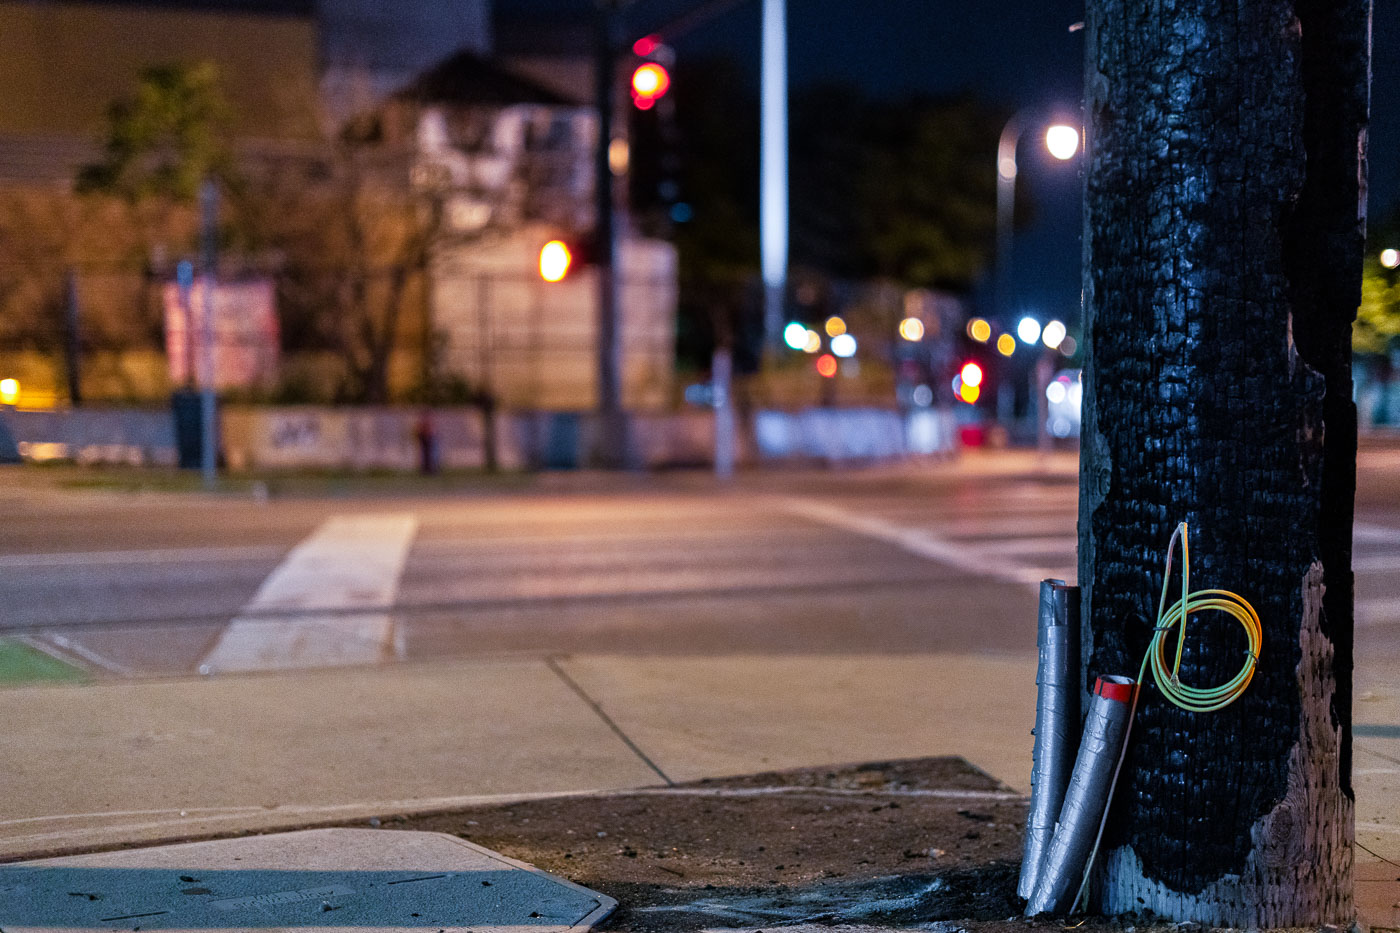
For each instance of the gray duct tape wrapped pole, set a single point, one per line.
(1078, 826)
(1056, 722)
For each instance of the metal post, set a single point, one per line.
(72, 343)
(721, 373)
(485, 348)
(609, 449)
(1041, 377)
(209, 221)
(773, 169)
(1006, 209)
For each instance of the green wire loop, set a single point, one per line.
(1197, 699)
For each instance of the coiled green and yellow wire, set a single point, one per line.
(1164, 673)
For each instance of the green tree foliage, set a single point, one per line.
(903, 191)
(1378, 318)
(899, 190)
(166, 138)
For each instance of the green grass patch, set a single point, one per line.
(21, 664)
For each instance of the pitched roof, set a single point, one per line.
(464, 78)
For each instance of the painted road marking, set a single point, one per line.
(973, 559)
(305, 613)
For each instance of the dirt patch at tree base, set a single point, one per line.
(931, 844)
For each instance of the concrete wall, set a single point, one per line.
(359, 438)
(315, 437)
(855, 434)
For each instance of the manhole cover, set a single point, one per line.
(321, 879)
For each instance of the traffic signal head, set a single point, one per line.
(555, 259)
(649, 84)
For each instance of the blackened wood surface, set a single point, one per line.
(1222, 224)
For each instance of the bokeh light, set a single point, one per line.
(911, 329)
(843, 345)
(1006, 344)
(826, 365)
(835, 327)
(795, 335)
(979, 330)
(1028, 330)
(1053, 334)
(9, 391)
(554, 261)
(971, 374)
(1390, 258)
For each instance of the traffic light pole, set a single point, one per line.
(609, 451)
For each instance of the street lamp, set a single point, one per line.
(1063, 142)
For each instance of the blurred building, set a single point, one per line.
(510, 163)
(502, 149)
(63, 63)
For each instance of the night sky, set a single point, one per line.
(1013, 53)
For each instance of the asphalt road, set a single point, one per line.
(919, 559)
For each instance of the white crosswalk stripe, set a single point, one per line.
(1031, 536)
(326, 604)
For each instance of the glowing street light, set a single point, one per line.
(979, 330)
(1062, 140)
(1006, 344)
(9, 391)
(835, 326)
(1054, 334)
(911, 329)
(843, 345)
(814, 342)
(1390, 258)
(971, 374)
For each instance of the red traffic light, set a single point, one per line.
(826, 365)
(649, 84)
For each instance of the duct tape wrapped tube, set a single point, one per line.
(1104, 730)
(1056, 722)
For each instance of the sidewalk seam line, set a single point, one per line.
(553, 664)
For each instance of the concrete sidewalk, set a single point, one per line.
(117, 763)
(112, 763)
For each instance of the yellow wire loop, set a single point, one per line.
(1197, 699)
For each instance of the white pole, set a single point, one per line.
(721, 371)
(773, 171)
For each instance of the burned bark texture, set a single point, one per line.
(1224, 225)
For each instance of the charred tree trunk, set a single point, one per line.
(1223, 232)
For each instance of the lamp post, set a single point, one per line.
(1062, 140)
